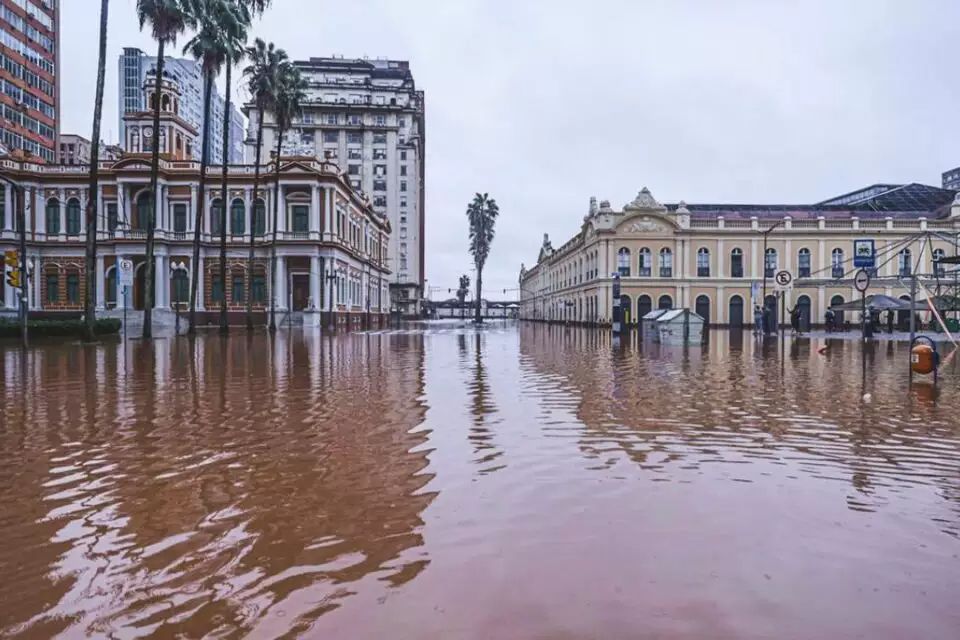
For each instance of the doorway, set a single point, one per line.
(702, 307)
(736, 312)
(299, 291)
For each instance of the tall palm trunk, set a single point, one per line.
(256, 187)
(201, 202)
(89, 297)
(478, 319)
(273, 246)
(223, 207)
(149, 274)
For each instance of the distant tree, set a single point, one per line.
(462, 292)
(482, 216)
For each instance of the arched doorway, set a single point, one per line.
(736, 312)
(139, 278)
(702, 307)
(644, 306)
(903, 316)
(625, 309)
(803, 304)
(110, 290)
(837, 313)
(771, 303)
(665, 302)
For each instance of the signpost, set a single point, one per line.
(125, 269)
(861, 282)
(617, 310)
(864, 254)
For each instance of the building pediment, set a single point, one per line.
(646, 223)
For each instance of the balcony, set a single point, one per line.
(645, 272)
(703, 272)
(837, 272)
(666, 272)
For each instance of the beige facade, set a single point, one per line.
(710, 258)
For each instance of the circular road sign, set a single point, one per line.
(783, 278)
(861, 280)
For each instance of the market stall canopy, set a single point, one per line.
(880, 302)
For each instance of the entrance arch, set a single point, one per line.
(837, 314)
(644, 305)
(803, 304)
(702, 307)
(903, 316)
(665, 302)
(625, 308)
(736, 312)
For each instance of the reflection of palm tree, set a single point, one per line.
(482, 407)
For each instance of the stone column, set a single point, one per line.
(62, 201)
(41, 213)
(721, 304)
(101, 217)
(755, 249)
(281, 293)
(121, 300)
(328, 226)
(83, 210)
(316, 278)
(158, 208)
(8, 211)
(721, 259)
(161, 281)
(314, 209)
(100, 282)
(200, 284)
(282, 216)
(247, 210)
(192, 212)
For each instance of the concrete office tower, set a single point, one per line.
(133, 69)
(368, 117)
(29, 33)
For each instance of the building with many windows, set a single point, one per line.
(721, 259)
(30, 76)
(331, 244)
(368, 116)
(134, 68)
(951, 179)
(74, 149)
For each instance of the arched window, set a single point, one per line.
(237, 286)
(703, 262)
(623, 261)
(645, 263)
(803, 305)
(770, 263)
(144, 210)
(905, 262)
(110, 292)
(53, 216)
(736, 264)
(165, 102)
(626, 313)
(836, 262)
(644, 305)
(837, 313)
(938, 255)
(73, 217)
(73, 288)
(260, 218)
(702, 307)
(803, 263)
(216, 216)
(665, 302)
(735, 312)
(180, 287)
(238, 220)
(666, 263)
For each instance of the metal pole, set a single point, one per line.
(124, 311)
(24, 273)
(913, 319)
(863, 311)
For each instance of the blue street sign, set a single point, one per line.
(864, 254)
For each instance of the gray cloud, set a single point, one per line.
(543, 104)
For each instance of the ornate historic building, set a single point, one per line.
(331, 243)
(711, 257)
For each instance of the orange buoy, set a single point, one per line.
(822, 350)
(922, 359)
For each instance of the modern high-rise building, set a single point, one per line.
(30, 76)
(368, 117)
(74, 149)
(951, 179)
(133, 69)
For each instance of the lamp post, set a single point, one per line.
(332, 279)
(766, 234)
(176, 267)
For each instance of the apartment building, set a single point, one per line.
(74, 149)
(30, 77)
(135, 65)
(369, 117)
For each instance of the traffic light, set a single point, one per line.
(12, 260)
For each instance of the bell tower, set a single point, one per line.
(176, 136)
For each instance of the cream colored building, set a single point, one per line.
(710, 258)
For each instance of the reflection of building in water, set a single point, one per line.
(707, 257)
(227, 477)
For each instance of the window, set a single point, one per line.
(403, 201)
(353, 169)
(354, 154)
(237, 217)
(403, 169)
(379, 201)
(938, 255)
(354, 120)
(623, 262)
(73, 217)
(216, 221)
(381, 121)
(770, 263)
(258, 290)
(736, 263)
(144, 210)
(403, 154)
(260, 218)
(180, 218)
(330, 118)
(237, 290)
(379, 154)
(112, 217)
(803, 263)
(181, 286)
(703, 262)
(73, 288)
(331, 136)
(379, 170)
(216, 289)
(53, 216)
(403, 185)
(904, 262)
(379, 138)
(836, 261)
(379, 185)
(354, 137)
(53, 287)
(666, 263)
(645, 263)
(301, 218)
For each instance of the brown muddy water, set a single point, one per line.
(514, 482)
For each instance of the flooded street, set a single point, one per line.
(515, 482)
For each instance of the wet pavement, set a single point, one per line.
(443, 482)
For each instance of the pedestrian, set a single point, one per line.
(795, 320)
(757, 319)
(891, 315)
(830, 318)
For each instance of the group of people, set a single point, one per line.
(764, 320)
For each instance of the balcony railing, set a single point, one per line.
(703, 272)
(666, 272)
(837, 272)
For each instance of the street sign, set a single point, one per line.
(126, 272)
(864, 254)
(861, 280)
(783, 280)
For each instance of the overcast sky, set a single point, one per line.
(543, 104)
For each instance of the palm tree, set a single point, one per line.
(291, 92)
(462, 291)
(167, 18)
(263, 76)
(482, 214)
(91, 213)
